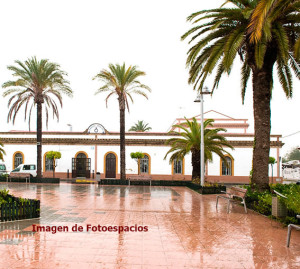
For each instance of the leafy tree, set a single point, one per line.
(190, 139)
(38, 83)
(53, 155)
(123, 82)
(137, 156)
(261, 33)
(294, 154)
(140, 126)
(2, 152)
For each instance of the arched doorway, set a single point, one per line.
(110, 165)
(81, 165)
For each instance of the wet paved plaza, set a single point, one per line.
(184, 231)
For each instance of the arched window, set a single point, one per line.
(48, 163)
(227, 168)
(81, 155)
(18, 159)
(145, 164)
(178, 167)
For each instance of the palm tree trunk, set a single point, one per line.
(39, 139)
(262, 80)
(196, 164)
(122, 138)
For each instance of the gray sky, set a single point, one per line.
(85, 36)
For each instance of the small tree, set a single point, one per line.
(137, 156)
(293, 154)
(272, 161)
(53, 155)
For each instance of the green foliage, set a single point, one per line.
(4, 196)
(137, 155)
(51, 155)
(262, 201)
(272, 160)
(123, 82)
(247, 30)
(140, 126)
(293, 154)
(37, 81)
(189, 139)
(292, 192)
(259, 201)
(196, 180)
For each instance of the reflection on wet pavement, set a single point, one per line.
(185, 231)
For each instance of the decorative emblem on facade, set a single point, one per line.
(95, 128)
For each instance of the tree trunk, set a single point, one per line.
(39, 139)
(196, 163)
(122, 138)
(53, 167)
(262, 81)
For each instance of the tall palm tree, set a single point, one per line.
(190, 139)
(123, 82)
(261, 33)
(140, 126)
(38, 82)
(2, 152)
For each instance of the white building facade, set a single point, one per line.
(98, 150)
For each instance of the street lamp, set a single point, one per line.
(199, 99)
(70, 126)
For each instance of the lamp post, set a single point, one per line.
(199, 99)
(70, 126)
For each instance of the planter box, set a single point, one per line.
(113, 182)
(278, 208)
(45, 180)
(32, 180)
(17, 210)
(206, 190)
(212, 190)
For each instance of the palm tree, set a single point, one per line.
(37, 82)
(123, 82)
(261, 33)
(2, 152)
(140, 126)
(190, 140)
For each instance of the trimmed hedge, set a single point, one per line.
(14, 208)
(179, 183)
(32, 180)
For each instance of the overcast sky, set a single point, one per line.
(85, 36)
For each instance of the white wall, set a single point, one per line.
(242, 158)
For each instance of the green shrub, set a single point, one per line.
(4, 198)
(262, 201)
(292, 192)
(136, 155)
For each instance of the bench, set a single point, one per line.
(139, 178)
(297, 227)
(230, 194)
(19, 175)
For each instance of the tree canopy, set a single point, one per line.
(140, 126)
(293, 154)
